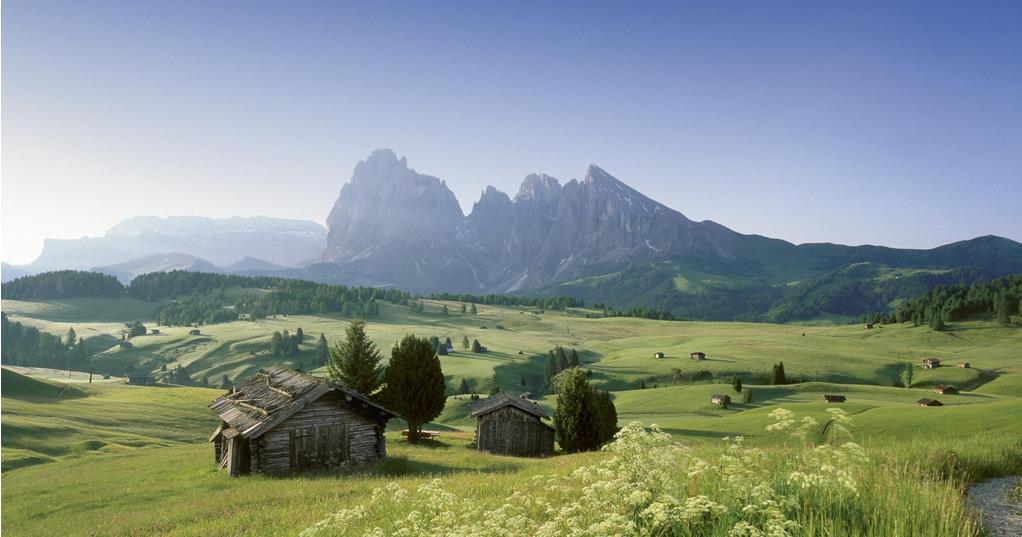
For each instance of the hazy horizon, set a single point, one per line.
(803, 122)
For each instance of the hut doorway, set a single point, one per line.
(237, 457)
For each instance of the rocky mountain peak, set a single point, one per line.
(539, 187)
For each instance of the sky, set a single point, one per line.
(893, 123)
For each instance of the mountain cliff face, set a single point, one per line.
(595, 237)
(398, 226)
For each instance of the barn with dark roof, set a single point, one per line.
(512, 426)
(283, 420)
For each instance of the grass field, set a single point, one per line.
(111, 459)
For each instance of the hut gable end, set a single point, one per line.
(510, 426)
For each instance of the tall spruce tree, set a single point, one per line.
(415, 384)
(464, 388)
(464, 342)
(322, 351)
(736, 384)
(573, 360)
(575, 418)
(355, 362)
(71, 338)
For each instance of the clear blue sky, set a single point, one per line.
(895, 123)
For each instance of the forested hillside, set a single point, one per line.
(63, 284)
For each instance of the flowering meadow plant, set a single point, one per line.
(646, 484)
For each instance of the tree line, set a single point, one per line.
(550, 302)
(999, 298)
(28, 346)
(63, 284)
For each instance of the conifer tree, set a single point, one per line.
(473, 310)
(575, 417)
(464, 342)
(415, 384)
(736, 384)
(276, 344)
(573, 360)
(322, 351)
(355, 362)
(71, 338)
(464, 388)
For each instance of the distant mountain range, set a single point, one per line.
(595, 238)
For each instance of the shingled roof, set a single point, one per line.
(274, 394)
(501, 400)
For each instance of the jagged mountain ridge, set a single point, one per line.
(409, 229)
(401, 228)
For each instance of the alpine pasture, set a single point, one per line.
(111, 459)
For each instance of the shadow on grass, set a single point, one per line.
(398, 466)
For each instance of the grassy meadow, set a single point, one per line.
(110, 459)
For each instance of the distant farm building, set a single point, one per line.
(658, 355)
(194, 332)
(154, 330)
(140, 379)
(528, 396)
(868, 326)
(698, 355)
(929, 402)
(721, 400)
(946, 390)
(931, 363)
(964, 365)
(834, 398)
(283, 420)
(512, 426)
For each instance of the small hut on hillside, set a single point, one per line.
(281, 420)
(964, 365)
(929, 402)
(658, 355)
(834, 398)
(512, 426)
(868, 326)
(946, 390)
(194, 332)
(931, 363)
(721, 400)
(698, 355)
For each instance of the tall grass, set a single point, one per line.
(647, 484)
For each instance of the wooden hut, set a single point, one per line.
(946, 390)
(964, 365)
(512, 426)
(658, 355)
(721, 400)
(929, 402)
(283, 420)
(931, 363)
(834, 398)
(698, 355)
(140, 379)
(194, 332)
(868, 326)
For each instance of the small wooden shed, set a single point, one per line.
(929, 402)
(283, 420)
(964, 365)
(512, 426)
(721, 400)
(868, 326)
(931, 363)
(194, 332)
(946, 390)
(834, 398)
(658, 355)
(698, 355)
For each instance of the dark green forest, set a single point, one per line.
(28, 346)
(63, 284)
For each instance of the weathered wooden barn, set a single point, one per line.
(698, 355)
(194, 332)
(946, 390)
(512, 426)
(929, 402)
(931, 363)
(282, 420)
(834, 398)
(964, 365)
(658, 355)
(721, 400)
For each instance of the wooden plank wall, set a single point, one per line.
(511, 431)
(329, 424)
